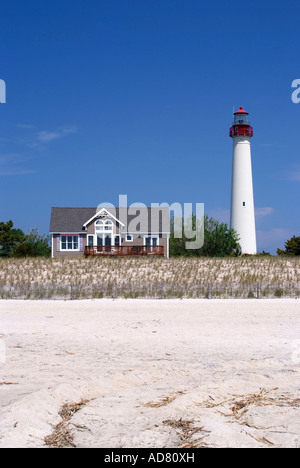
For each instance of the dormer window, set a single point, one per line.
(99, 226)
(108, 225)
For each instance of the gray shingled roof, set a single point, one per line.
(73, 219)
(69, 219)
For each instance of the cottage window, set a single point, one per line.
(69, 242)
(129, 238)
(99, 226)
(151, 241)
(108, 225)
(104, 232)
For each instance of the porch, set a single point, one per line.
(124, 251)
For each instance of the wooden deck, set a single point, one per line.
(124, 251)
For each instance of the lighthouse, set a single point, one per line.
(242, 218)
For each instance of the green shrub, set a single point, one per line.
(278, 292)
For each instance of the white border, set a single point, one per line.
(69, 250)
(107, 213)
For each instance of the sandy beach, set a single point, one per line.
(151, 373)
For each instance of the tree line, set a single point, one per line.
(292, 247)
(15, 243)
(219, 241)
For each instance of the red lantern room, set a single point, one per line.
(241, 124)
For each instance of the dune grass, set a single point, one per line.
(124, 270)
(153, 277)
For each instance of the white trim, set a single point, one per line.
(126, 240)
(152, 237)
(103, 235)
(69, 233)
(155, 233)
(69, 250)
(52, 246)
(120, 239)
(85, 232)
(87, 239)
(106, 212)
(103, 223)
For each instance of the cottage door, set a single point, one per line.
(108, 240)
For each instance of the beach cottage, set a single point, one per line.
(110, 231)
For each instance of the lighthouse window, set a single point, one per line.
(241, 119)
(244, 203)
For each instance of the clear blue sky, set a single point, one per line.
(135, 97)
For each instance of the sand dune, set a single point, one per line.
(150, 373)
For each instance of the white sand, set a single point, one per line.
(121, 354)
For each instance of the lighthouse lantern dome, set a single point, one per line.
(241, 117)
(241, 125)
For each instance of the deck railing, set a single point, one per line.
(124, 251)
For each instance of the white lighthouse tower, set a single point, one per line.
(242, 203)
